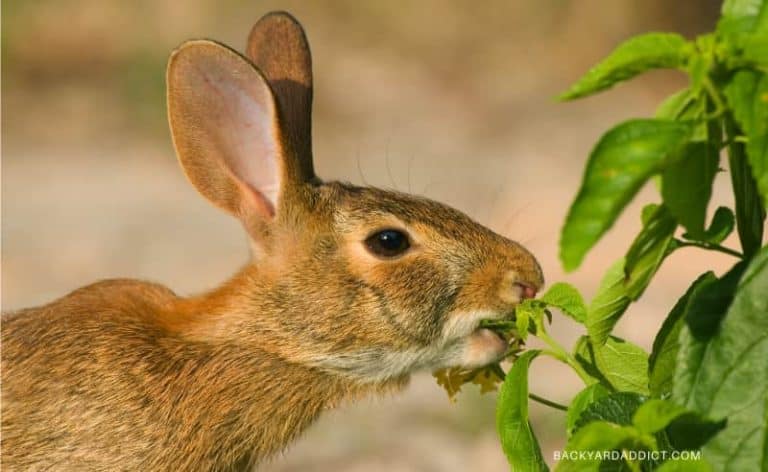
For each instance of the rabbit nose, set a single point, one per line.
(526, 291)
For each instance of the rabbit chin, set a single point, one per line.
(462, 344)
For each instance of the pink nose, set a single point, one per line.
(526, 291)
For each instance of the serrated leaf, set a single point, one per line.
(617, 408)
(517, 438)
(526, 312)
(581, 401)
(663, 358)
(648, 250)
(451, 379)
(723, 371)
(600, 436)
(487, 379)
(622, 161)
(722, 225)
(630, 58)
(655, 414)
(624, 365)
(610, 302)
(566, 298)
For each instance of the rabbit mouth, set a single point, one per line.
(461, 325)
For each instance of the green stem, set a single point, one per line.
(714, 115)
(498, 371)
(711, 247)
(546, 402)
(714, 95)
(736, 139)
(557, 351)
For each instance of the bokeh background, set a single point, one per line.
(448, 99)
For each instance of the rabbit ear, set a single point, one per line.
(226, 131)
(278, 47)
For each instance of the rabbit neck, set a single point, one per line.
(242, 406)
(255, 382)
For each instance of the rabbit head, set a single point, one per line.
(363, 282)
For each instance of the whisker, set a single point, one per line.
(386, 163)
(359, 168)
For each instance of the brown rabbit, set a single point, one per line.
(350, 290)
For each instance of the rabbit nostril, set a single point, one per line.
(526, 291)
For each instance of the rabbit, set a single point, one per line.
(350, 290)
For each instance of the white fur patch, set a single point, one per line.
(460, 325)
(461, 344)
(378, 364)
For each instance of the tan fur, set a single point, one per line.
(125, 375)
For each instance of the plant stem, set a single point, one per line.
(563, 356)
(712, 247)
(714, 95)
(546, 402)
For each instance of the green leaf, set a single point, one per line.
(630, 58)
(610, 302)
(600, 436)
(685, 465)
(747, 94)
(517, 438)
(623, 364)
(523, 318)
(687, 184)
(585, 356)
(655, 415)
(750, 213)
(722, 225)
(690, 431)
(743, 16)
(648, 250)
(623, 159)
(663, 358)
(723, 371)
(566, 298)
(617, 408)
(580, 402)
(754, 50)
(675, 105)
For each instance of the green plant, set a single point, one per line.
(699, 400)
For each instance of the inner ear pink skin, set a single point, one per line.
(247, 138)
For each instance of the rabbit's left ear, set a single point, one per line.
(278, 47)
(229, 136)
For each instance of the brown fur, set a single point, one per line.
(125, 375)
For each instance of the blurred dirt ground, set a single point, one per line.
(452, 100)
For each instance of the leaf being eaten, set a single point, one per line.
(453, 378)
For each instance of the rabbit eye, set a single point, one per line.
(388, 243)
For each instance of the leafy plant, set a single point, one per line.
(704, 386)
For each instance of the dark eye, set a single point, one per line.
(388, 243)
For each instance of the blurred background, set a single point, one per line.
(448, 99)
